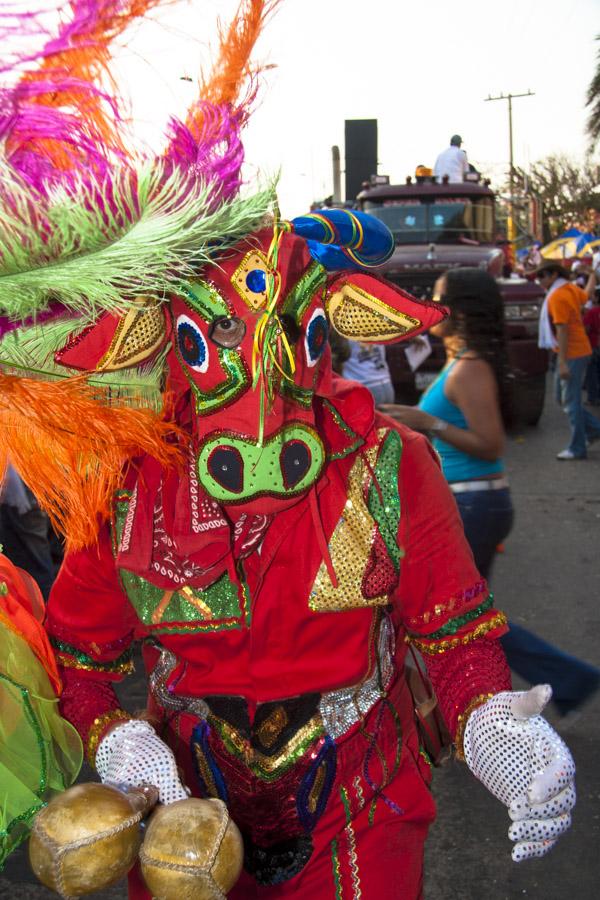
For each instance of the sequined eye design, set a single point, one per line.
(192, 345)
(227, 332)
(316, 337)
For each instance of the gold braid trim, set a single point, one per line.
(462, 722)
(99, 727)
(442, 646)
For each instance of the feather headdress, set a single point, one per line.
(91, 227)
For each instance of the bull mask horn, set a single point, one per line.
(342, 239)
(361, 306)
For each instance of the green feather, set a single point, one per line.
(70, 246)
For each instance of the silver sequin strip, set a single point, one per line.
(342, 709)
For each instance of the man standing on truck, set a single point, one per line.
(452, 161)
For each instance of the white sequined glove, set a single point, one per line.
(132, 754)
(521, 759)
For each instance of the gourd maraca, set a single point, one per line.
(88, 837)
(192, 850)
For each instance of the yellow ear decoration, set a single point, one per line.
(359, 316)
(137, 336)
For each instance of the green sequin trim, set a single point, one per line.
(122, 663)
(455, 624)
(206, 300)
(346, 803)
(223, 606)
(304, 290)
(387, 513)
(423, 752)
(302, 396)
(357, 441)
(335, 864)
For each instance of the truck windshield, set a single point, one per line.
(444, 222)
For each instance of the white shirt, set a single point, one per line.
(451, 162)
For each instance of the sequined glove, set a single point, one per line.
(132, 754)
(521, 759)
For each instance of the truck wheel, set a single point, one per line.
(528, 402)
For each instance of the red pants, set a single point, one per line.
(361, 850)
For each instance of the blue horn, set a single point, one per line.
(344, 238)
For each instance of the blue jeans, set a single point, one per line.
(568, 393)
(487, 519)
(592, 377)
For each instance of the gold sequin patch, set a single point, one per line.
(252, 260)
(349, 548)
(139, 333)
(360, 316)
(272, 727)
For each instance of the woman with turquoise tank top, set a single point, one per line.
(464, 412)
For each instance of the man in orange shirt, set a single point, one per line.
(565, 302)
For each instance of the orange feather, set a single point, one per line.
(87, 60)
(71, 448)
(232, 67)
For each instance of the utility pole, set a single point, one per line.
(511, 230)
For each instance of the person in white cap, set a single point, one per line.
(452, 161)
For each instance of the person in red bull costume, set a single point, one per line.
(273, 542)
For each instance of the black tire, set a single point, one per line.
(528, 399)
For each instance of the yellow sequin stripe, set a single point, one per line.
(443, 646)
(462, 722)
(99, 727)
(69, 662)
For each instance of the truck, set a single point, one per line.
(437, 227)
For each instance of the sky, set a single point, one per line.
(422, 69)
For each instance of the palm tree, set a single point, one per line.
(593, 101)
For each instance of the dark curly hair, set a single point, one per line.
(477, 316)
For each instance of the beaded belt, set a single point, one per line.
(483, 484)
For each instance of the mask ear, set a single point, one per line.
(364, 308)
(117, 342)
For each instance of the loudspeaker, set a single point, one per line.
(361, 154)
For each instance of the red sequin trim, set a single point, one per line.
(84, 699)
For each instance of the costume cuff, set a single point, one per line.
(464, 675)
(91, 706)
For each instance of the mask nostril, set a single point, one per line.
(226, 466)
(295, 461)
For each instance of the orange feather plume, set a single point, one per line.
(87, 60)
(232, 67)
(71, 448)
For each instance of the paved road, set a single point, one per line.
(548, 580)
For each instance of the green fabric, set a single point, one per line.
(40, 752)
